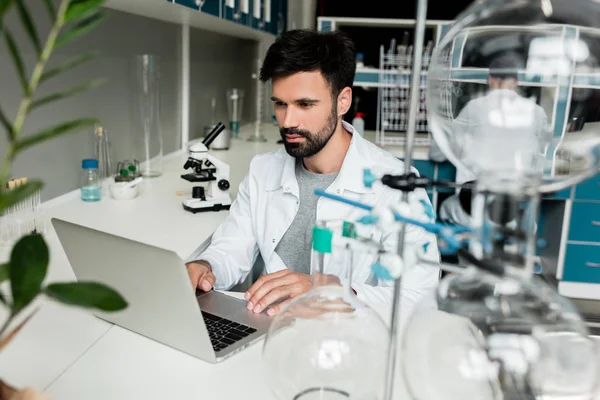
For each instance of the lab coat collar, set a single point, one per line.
(350, 176)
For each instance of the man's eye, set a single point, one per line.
(279, 104)
(305, 105)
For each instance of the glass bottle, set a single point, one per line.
(132, 172)
(91, 188)
(327, 344)
(123, 176)
(235, 104)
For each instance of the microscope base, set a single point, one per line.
(195, 206)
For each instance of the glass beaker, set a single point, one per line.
(235, 104)
(146, 128)
(327, 344)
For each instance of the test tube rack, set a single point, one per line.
(22, 218)
(394, 95)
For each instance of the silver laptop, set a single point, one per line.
(162, 304)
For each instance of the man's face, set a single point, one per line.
(305, 111)
(498, 83)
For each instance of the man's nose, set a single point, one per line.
(290, 119)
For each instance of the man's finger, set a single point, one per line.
(277, 293)
(264, 279)
(267, 288)
(276, 309)
(208, 281)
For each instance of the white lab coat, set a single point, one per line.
(267, 203)
(502, 123)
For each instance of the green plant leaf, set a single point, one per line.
(4, 272)
(6, 124)
(28, 265)
(87, 294)
(4, 6)
(82, 8)
(28, 25)
(79, 29)
(57, 96)
(73, 62)
(51, 9)
(56, 130)
(17, 60)
(11, 197)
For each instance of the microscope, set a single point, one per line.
(210, 171)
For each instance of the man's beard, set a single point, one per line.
(313, 143)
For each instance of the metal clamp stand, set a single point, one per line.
(410, 138)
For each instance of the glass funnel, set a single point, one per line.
(327, 344)
(513, 92)
(498, 337)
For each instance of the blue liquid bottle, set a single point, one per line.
(91, 188)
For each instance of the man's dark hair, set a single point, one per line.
(332, 53)
(505, 66)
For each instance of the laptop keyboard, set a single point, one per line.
(223, 332)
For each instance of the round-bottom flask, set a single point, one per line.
(498, 338)
(327, 344)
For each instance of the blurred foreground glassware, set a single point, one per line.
(498, 338)
(327, 344)
(502, 85)
(498, 83)
(146, 127)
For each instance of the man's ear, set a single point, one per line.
(344, 101)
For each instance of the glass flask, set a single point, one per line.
(513, 92)
(147, 131)
(327, 344)
(494, 337)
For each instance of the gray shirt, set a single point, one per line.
(295, 245)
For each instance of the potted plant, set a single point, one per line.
(25, 271)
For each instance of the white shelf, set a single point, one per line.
(169, 12)
(380, 22)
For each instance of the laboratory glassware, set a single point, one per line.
(507, 334)
(497, 337)
(235, 104)
(22, 218)
(326, 344)
(102, 152)
(146, 126)
(91, 188)
(511, 51)
(258, 136)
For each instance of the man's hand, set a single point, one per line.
(276, 286)
(201, 275)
